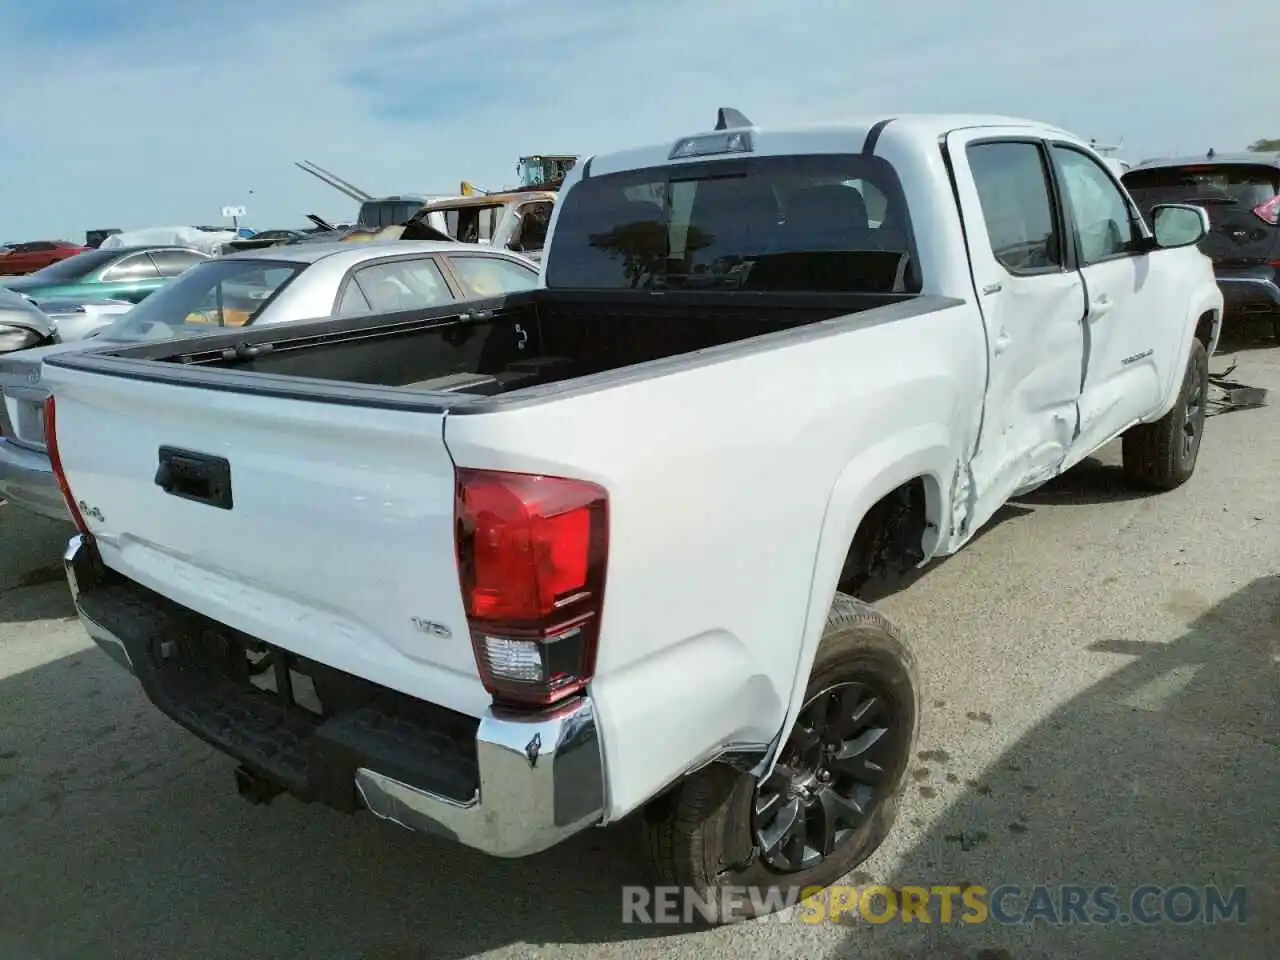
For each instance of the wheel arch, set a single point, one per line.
(917, 460)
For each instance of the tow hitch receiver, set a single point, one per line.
(254, 788)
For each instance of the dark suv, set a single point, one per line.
(1241, 193)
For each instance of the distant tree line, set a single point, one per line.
(1265, 146)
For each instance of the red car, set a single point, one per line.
(23, 258)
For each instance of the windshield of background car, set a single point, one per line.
(798, 224)
(75, 268)
(1206, 185)
(206, 298)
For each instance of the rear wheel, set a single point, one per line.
(1162, 455)
(748, 848)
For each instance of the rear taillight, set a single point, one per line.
(1269, 212)
(532, 552)
(55, 461)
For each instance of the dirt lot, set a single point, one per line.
(1101, 699)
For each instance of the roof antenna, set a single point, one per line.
(729, 117)
(1210, 155)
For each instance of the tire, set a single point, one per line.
(1162, 455)
(702, 835)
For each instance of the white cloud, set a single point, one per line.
(171, 110)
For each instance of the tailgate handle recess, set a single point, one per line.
(195, 476)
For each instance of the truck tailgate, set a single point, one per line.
(330, 534)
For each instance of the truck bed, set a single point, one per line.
(494, 348)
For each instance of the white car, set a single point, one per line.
(594, 550)
(249, 289)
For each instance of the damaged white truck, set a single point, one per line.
(509, 573)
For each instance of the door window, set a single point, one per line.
(1017, 205)
(1100, 216)
(531, 235)
(492, 276)
(399, 285)
(136, 267)
(170, 263)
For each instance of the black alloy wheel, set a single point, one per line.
(833, 771)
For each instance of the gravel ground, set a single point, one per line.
(1101, 700)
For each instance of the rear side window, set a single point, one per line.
(492, 277)
(400, 285)
(1013, 187)
(136, 267)
(170, 263)
(1243, 186)
(813, 224)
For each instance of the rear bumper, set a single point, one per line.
(507, 785)
(27, 481)
(1250, 293)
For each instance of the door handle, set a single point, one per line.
(195, 476)
(1002, 343)
(1100, 307)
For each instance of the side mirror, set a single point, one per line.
(1178, 225)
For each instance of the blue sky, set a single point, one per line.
(134, 113)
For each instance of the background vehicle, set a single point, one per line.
(126, 273)
(260, 287)
(205, 239)
(388, 211)
(591, 550)
(24, 258)
(1241, 194)
(93, 238)
(74, 320)
(22, 324)
(516, 221)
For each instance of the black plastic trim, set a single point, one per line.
(873, 136)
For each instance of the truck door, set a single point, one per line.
(1130, 330)
(1032, 301)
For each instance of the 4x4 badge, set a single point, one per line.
(431, 628)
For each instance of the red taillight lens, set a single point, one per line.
(532, 552)
(1269, 212)
(55, 461)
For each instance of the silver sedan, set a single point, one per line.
(267, 286)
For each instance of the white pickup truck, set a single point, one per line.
(508, 573)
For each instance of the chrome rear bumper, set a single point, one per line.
(537, 780)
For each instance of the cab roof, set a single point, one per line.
(851, 135)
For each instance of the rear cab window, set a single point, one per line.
(1243, 186)
(831, 223)
(1241, 199)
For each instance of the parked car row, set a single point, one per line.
(556, 556)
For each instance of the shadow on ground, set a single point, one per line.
(32, 584)
(123, 836)
(1180, 748)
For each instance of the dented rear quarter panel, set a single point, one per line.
(735, 480)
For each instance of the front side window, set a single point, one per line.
(208, 297)
(1100, 215)
(1013, 188)
(793, 224)
(475, 224)
(532, 232)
